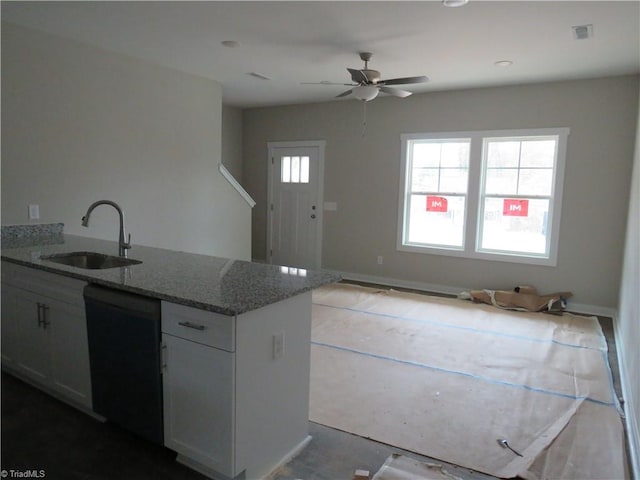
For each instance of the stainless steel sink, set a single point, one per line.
(90, 260)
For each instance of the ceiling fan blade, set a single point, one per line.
(329, 83)
(404, 81)
(396, 92)
(344, 94)
(358, 76)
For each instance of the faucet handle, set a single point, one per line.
(128, 244)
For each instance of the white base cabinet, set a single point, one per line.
(44, 332)
(9, 336)
(236, 389)
(34, 328)
(198, 402)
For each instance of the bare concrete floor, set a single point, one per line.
(334, 455)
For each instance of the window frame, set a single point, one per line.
(475, 195)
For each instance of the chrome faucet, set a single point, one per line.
(122, 245)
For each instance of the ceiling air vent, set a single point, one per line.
(582, 32)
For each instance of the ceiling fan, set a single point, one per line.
(367, 83)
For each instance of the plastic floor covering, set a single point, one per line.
(504, 393)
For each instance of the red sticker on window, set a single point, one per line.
(436, 204)
(515, 207)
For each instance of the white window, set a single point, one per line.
(492, 195)
(437, 192)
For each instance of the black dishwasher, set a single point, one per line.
(124, 352)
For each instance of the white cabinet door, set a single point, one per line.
(44, 331)
(198, 402)
(33, 359)
(10, 343)
(70, 372)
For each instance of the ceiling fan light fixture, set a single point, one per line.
(454, 3)
(365, 92)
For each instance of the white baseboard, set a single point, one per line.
(630, 408)
(396, 282)
(287, 458)
(269, 475)
(455, 290)
(591, 309)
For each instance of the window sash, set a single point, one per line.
(520, 232)
(444, 165)
(526, 235)
(440, 229)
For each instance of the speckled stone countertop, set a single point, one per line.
(230, 287)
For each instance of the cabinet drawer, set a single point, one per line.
(207, 328)
(7, 272)
(48, 284)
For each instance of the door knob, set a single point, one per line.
(313, 215)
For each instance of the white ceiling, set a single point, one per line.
(305, 41)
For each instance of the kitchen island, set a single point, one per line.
(235, 343)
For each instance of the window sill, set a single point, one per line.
(492, 257)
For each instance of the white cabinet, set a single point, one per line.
(69, 351)
(236, 399)
(198, 386)
(198, 402)
(10, 345)
(44, 321)
(33, 359)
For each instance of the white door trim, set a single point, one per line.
(320, 145)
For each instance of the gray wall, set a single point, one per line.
(232, 141)
(628, 322)
(81, 124)
(362, 176)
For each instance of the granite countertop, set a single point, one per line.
(221, 285)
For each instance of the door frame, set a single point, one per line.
(320, 145)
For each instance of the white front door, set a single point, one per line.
(295, 209)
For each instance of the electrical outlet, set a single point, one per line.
(34, 212)
(278, 345)
(380, 259)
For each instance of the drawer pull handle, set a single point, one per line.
(195, 326)
(45, 322)
(39, 305)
